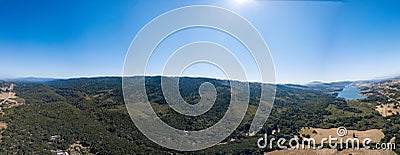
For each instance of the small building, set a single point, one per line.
(55, 137)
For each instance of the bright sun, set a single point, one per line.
(241, 1)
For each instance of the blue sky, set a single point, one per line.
(308, 40)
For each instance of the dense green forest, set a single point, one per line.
(91, 112)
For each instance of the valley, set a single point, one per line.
(88, 116)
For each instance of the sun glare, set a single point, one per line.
(241, 1)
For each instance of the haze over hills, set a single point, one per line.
(311, 84)
(30, 79)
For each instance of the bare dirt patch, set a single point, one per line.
(393, 140)
(12, 95)
(3, 125)
(78, 149)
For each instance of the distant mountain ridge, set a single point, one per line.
(313, 84)
(31, 79)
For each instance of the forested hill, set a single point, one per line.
(90, 112)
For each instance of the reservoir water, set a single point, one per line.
(350, 93)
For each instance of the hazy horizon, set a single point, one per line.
(191, 76)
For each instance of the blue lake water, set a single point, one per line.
(350, 93)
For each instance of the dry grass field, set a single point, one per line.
(3, 95)
(387, 110)
(317, 133)
(2, 127)
(330, 152)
